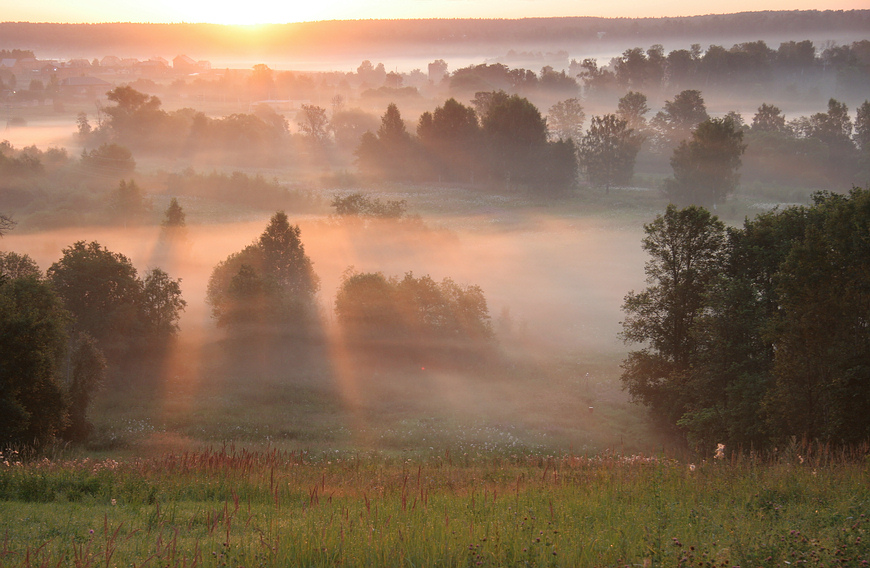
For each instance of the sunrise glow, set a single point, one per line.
(267, 12)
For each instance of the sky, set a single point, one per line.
(276, 11)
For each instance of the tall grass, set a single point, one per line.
(232, 507)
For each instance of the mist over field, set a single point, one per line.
(469, 243)
(542, 292)
(562, 279)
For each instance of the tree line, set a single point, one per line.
(354, 36)
(727, 69)
(502, 138)
(751, 335)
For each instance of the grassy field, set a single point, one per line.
(232, 507)
(265, 450)
(297, 396)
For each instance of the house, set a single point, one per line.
(184, 63)
(110, 61)
(84, 87)
(152, 67)
(78, 63)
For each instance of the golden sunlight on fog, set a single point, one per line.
(563, 281)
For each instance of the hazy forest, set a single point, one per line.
(435, 292)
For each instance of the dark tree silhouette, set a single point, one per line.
(706, 167)
(608, 151)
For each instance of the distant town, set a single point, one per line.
(28, 80)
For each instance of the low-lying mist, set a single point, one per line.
(554, 287)
(561, 280)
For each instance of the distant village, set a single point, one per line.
(29, 81)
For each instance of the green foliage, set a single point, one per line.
(239, 188)
(100, 288)
(636, 70)
(238, 508)
(161, 305)
(87, 374)
(608, 151)
(451, 137)
(23, 164)
(862, 127)
(417, 314)
(270, 281)
(128, 204)
(137, 121)
(14, 265)
(109, 160)
(686, 253)
(705, 167)
(515, 131)
(769, 338)
(679, 117)
(768, 119)
(565, 120)
(822, 361)
(631, 108)
(390, 153)
(32, 342)
(359, 205)
(109, 302)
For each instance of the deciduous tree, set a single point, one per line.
(101, 290)
(314, 124)
(768, 119)
(14, 265)
(706, 167)
(679, 117)
(631, 108)
(451, 138)
(608, 151)
(686, 249)
(565, 120)
(33, 322)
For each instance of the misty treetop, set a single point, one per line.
(706, 166)
(758, 333)
(608, 151)
(825, 149)
(728, 70)
(504, 139)
(14, 265)
(412, 315)
(271, 281)
(136, 121)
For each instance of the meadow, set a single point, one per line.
(274, 451)
(801, 505)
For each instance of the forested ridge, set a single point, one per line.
(336, 36)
